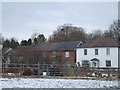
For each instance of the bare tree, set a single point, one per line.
(107, 33)
(115, 30)
(94, 34)
(67, 32)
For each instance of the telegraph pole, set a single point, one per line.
(35, 36)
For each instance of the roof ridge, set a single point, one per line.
(100, 42)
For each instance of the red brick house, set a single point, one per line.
(55, 53)
(42, 53)
(22, 54)
(46, 53)
(65, 52)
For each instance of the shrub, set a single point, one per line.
(27, 72)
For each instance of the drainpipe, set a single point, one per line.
(118, 62)
(75, 56)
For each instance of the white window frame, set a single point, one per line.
(96, 51)
(67, 54)
(106, 63)
(83, 62)
(107, 51)
(85, 53)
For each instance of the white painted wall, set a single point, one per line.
(102, 56)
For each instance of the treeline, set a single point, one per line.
(13, 43)
(68, 32)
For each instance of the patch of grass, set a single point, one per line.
(61, 77)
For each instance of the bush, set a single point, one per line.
(119, 76)
(11, 70)
(27, 72)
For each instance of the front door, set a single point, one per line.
(95, 63)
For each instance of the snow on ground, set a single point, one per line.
(54, 83)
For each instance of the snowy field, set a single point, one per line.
(54, 83)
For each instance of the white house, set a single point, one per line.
(102, 52)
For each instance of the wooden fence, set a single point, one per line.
(57, 70)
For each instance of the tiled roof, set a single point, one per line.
(55, 46)
(44, 47)
(100, 42)
(66, 46)
(12, 52)
(22, 49)
(6, 50)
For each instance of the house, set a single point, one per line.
(22, 54)
(19, 55)
(6, 53)
(8, 56)
(55, 53)
(101, 52)
(42, 53)
(65, 52)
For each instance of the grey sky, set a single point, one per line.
(20, 19)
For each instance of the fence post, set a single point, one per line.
(47, 70)
(38, 69)
(108, 72)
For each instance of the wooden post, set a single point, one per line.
(38, 69)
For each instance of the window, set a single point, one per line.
(96, 51)
(108, 51)
(21, 57)
(108, 63)
(85, 63)
(54, 54)
(85, 51)
(67, 54)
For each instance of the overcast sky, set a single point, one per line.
(20, 19)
